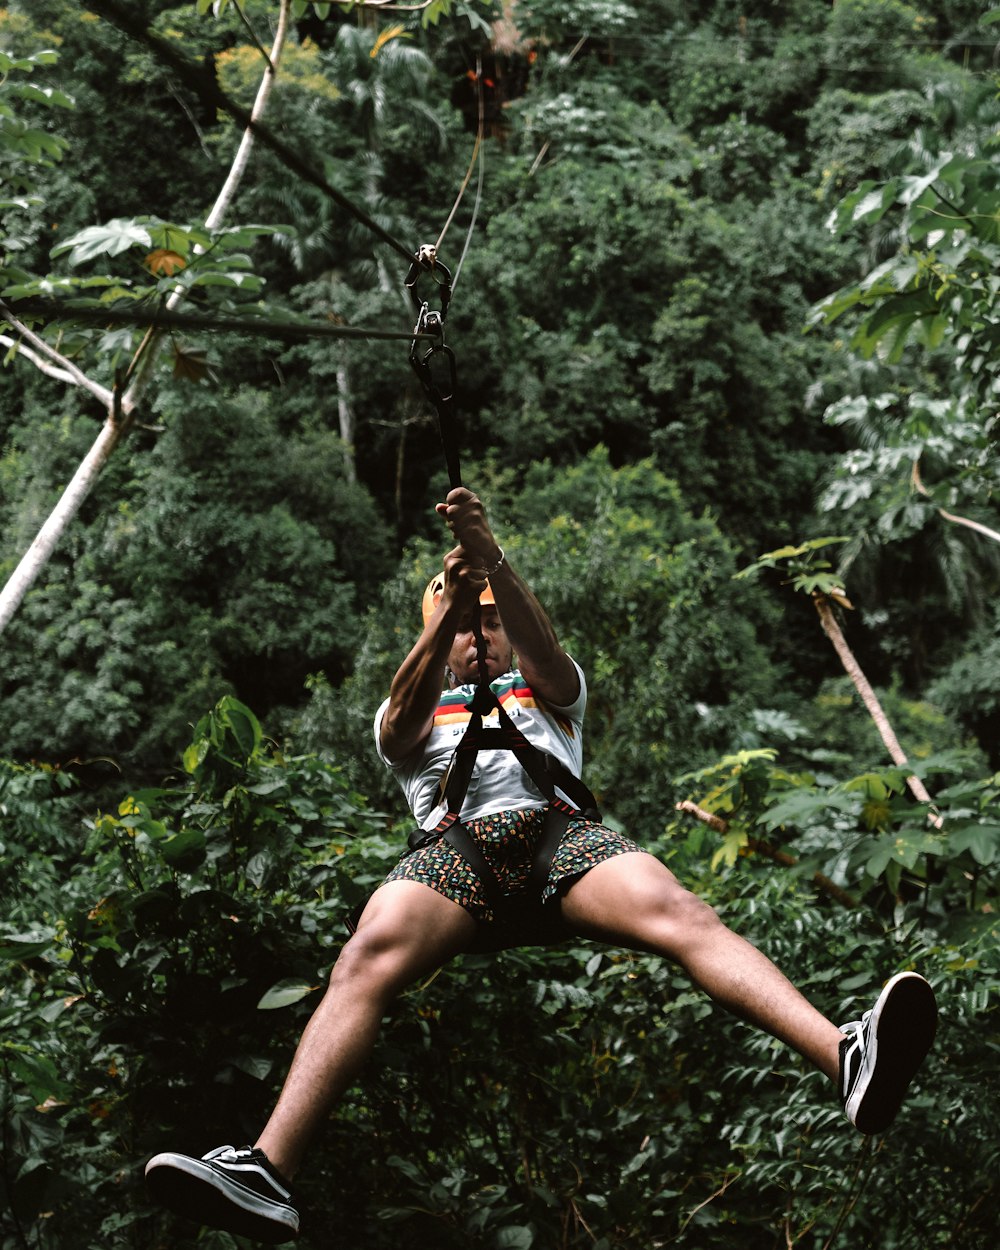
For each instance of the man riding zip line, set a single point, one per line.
(435, 904)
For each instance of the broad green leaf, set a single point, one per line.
(18, 946)
(514, 1237)
(46, 95)
(184, 848)
(284, 993)
(254, 1065)
(116, 236)
(242, 723)
(194, 756)
(880, 857)
(729, 852)
(871, 785)
(801, 807)
(872, 206)
(843, 214)
(981, 841)
(39, 1074)
(244, 281)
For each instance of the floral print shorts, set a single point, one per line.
(508, 840)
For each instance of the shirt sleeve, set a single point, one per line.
(379, 716)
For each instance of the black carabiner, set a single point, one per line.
(425, 261)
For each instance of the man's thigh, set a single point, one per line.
(632, 900)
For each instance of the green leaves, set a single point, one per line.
(111, 239)
(939, 282)
(284, 994)
(226, 743)
(805, 807)
(18, 946)
(805, 571)
(982, 841)
(20, 139)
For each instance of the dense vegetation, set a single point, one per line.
(730, 289)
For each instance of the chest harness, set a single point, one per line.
(550, 776)
(565, 794)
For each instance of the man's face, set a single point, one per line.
(462, 656)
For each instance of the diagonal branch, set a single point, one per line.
(762, 847)
(868, 697)
(143, 365)
(45, 357)
(972, 525)
(978, 526)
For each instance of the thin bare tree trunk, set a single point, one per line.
(870, 700)
(120, 406)
(47, 538)
(346, 415)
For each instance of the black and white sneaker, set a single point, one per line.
(882, 1051)
(235, 1190)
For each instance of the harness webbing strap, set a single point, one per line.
(544, 769)
(557, 819)
(547, 773)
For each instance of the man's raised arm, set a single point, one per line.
(416, 687)
(545, 665)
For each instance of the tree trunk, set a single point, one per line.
(80, 486)
(870, 700)
(120, 407)
(346, 415)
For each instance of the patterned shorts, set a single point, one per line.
(507, 840)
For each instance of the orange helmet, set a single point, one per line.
(435, 588)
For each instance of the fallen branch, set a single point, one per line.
(761, 847)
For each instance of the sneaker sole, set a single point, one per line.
(195, 1191)
(904, 1022)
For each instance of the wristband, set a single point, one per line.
(499, 564)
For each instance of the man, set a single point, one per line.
(433, 906)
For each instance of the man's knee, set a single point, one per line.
(679, 918)
(394, 946)
(377, 956)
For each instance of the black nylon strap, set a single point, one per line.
(556, 820)
(459, 837)
(544, 769)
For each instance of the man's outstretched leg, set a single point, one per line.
(635, 901)
(406, 931)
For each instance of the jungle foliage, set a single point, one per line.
(731, 289)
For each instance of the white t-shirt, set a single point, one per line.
(498, 781)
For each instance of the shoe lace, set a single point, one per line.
(853, 1027)
(229, 1154)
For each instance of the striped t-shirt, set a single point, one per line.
(498, 781)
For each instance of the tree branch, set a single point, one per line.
(68, 371)
(919, 486)
(972, 525)
(762, 847)
(868, 697)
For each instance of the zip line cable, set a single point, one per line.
(482, 171)
(472, 164)
(209, 92)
